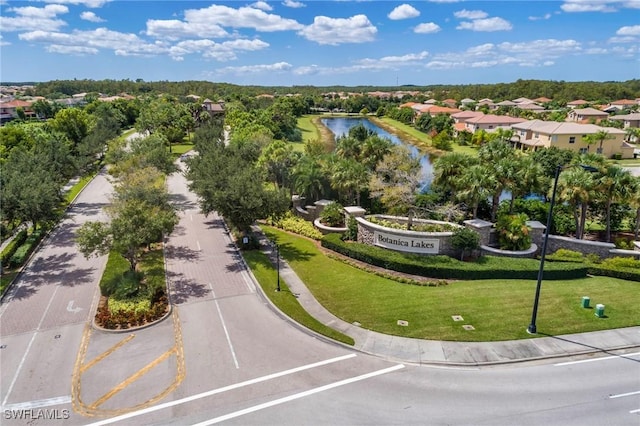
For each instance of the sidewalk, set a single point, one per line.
(459, 353)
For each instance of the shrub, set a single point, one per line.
(333, 215)
(513, 233)
(11, 248)
(566, 255)
(23, 252)
(297, 225)
(465, 239)
(128, 286)
(136, 305)
(352, 230)
(445, 267)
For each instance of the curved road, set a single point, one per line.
(225, 356)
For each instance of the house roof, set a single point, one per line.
(631, 117)
(495, 119)
(590, 111)
(407, 105)
(506, 103)
(531, 107)
(542, 100)
(464, 115)
(467, 101)
(578, 102)
(624, 102)
(16, 103)
(460, 127)
(563, 128)
(435, 109)
(523, 101)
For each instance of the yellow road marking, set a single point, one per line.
(135, 376)
(106, 353)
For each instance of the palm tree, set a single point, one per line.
(529, 179)
(500, 162)
(634, 201)
(374, 149)
(599, 136)
(349, 177)
(576, 187)
(474, 184)
(309, 177)
(614, 185)
(448, 169)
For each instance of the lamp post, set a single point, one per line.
(277, 264)
(532, 329)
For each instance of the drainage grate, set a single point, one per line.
(468, 327)
(403, 323)
(457, 318)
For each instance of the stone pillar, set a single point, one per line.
(320, 205)
(353, 211)
(537, 232)
(482, 227)
(297, 201)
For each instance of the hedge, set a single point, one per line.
(445, 267)
(23, 252)
(11, 248)
(621, 273)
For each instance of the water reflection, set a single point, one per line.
(340, 126)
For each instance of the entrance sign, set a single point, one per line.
(406, 243)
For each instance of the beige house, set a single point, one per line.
(490, 122)
(586, 114)
(628, 120)
(536, 134)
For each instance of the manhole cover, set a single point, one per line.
(3, 346)
(403, 323)
(468, 327)
(457, 318)
(57, 336)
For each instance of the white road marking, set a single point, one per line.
(624, 394)
(597, 359)
(24, 357)
(224, 327)
(634, 411)
(30, 405)
(247, 280)
(70, 308)
(198, 244)
(220, 390)
(298, 396)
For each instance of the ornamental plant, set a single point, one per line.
(513, 232)
(333, 215)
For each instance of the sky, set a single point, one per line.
(321, 43)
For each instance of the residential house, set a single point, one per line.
(542, 100)
(577, 103)
(537, 134)
(451, 103)
(9, 110)
(213, 108)
(467, 102)
(622, 104)
(506, 104)
(533, 107)
(628, 120)
(523, 101)
(486, 102)
(584, 115)
(490, 122)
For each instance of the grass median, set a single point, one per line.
(285, 300)
(497, 309)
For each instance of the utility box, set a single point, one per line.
(600, 310)
(585, 301)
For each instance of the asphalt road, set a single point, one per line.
(224, 355)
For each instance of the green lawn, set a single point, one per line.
(309, 130)
(285, 300)
(499, 310)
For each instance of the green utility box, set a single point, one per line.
(585, 301)
(600, 310)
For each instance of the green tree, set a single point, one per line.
(598, 137)
(396, 180)
(614, 184)
(576, 187)
(513, 233)
(74, 123)
(465, 239)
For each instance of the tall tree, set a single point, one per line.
(614, 184)
(598, 137)
(576, 187)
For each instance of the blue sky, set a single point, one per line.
(321, 43)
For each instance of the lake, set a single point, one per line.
(340, 126)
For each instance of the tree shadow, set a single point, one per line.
(603, 350)
(217, 223)
(181, 202)
(183, 289)
(181, 253)
(65, 236)
(87, 209)
(57, 269)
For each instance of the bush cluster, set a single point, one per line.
(126, 314)
(23, 252)
(11, 248)
(624, 268)
(445, 267)
(297, 225)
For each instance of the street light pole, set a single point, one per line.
(532, 327)
(278, 266)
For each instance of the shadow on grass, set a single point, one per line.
(599, 349)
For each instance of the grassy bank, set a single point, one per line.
(497, 309)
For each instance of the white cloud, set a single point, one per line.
(589, 5)
(596, 51)
(257, 69)
(211, 21)
(470, 14)
(34, 18)
(263, 5)
(222, 52)
(72, 50)
(404, 11)
(2, 42)
(174, 29)
(101, 38)
(87, 3)
(334, 31)
(293, 4)
(540, 18)
(626, 39)
(91, 17)
(629, 31)
(542, 47)
(426, 28)
(486, 25)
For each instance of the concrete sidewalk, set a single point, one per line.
(459, 353)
